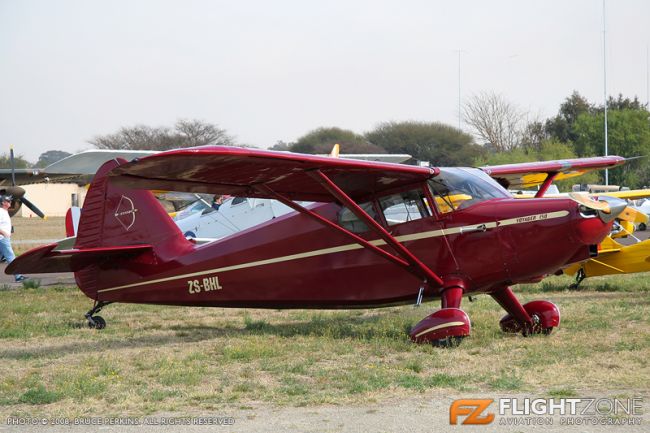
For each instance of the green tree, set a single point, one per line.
(628, 135)
(440, 144)
(621, 103)
(280, 145)
(51, 156)
(547, 151)
(322, 140)
(561, 127)
(19, 161)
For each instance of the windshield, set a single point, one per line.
(458, 188)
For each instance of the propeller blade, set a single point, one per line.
(589, 202)
(13, 166)
(32, 207)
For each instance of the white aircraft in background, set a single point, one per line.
(203, 218)
(209, 219)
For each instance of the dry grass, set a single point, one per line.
(153, 358)
(175, 359)
(28, 229)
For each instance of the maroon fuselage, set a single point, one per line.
(295, 262)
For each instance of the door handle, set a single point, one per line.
(478, 228)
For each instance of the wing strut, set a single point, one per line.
(415, 264)
(547, 182)
(358, 239)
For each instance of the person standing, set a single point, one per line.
(5, 234)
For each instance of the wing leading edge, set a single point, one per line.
(249, 172)
(531, 174)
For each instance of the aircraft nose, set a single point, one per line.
(616, 207)
(607, 208)
(590, 230)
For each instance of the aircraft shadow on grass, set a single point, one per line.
(334, 327)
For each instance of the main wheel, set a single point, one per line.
(642, 227)
(447, 342)
(536, 328)
(100, 323)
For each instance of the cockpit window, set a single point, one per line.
(403, 207)
(349, 220)
(458, 188)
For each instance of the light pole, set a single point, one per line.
(605, 87)
(460, 117)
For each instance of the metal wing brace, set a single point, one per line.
(403, 258)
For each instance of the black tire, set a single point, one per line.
(100, 323)
(642, 227)
(447, 342)
(537, 328)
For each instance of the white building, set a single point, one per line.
(53, 199)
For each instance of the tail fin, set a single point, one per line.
(116, 225)
(115, 216)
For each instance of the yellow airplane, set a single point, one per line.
(614, 258)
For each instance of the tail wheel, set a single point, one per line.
(97, 322)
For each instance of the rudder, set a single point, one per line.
(116, 216)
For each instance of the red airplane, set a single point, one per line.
(378, 234)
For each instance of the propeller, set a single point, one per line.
(17, 192)
(608, 208)
(589, 202)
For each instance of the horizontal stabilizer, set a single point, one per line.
(48, 258)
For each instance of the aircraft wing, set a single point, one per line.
(530, 174)
(77, 168)
(246, 172)
(23, 176)
(632, 194)
(89, 161)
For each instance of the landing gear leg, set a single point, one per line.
(579, 277)
(536, 317)
(447, 326)
(96, 322)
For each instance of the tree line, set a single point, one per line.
(501, 133)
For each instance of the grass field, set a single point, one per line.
(152, 358)
(29, 229)
(174, 359)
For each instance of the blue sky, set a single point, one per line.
(269, 71)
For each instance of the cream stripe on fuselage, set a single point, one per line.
(349, 247)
